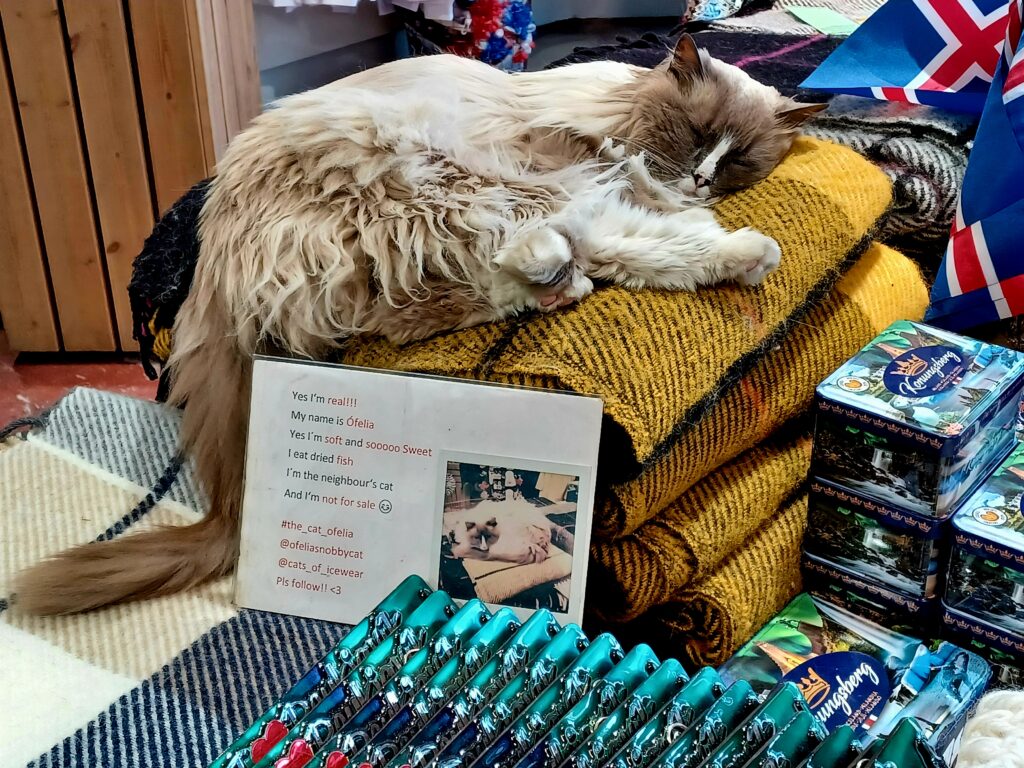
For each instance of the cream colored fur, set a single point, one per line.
(423, 195)
(994, 736)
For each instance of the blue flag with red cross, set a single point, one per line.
(982, 275)
(942, 53)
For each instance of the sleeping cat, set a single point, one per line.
(427, 195)
(509, 531)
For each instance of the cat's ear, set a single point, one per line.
(797, 114)
(492, 523)
(470, 526)
(686, 64)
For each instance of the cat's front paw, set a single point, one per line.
(542, 256)
(749, 256)
(577, 287)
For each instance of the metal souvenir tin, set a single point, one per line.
(901, 550)
(986, 572)
(918, 417)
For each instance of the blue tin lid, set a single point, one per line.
(927, 379)
(990, 523)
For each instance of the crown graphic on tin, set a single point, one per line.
(814, 688)
(912, 366)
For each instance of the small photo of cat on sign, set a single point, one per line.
(508, 535)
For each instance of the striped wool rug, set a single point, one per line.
(164, 682)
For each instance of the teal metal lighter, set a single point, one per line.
(300, 700)
(639, 707)
(307, 736)
(671, 722)
(600, 701)
(350, 738)
(527, 644)
(710, 729)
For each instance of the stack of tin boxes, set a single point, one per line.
(984, 599)
(905, 431)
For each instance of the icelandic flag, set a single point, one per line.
(937, 52)
(981, 279)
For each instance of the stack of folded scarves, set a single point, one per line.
(705, 449)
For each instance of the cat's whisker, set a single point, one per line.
(651, 153)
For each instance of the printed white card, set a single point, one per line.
(356, 478)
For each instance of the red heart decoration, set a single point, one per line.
(336, 760)
(273, 733)
(298, 755)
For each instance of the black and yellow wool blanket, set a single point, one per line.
(695, 382)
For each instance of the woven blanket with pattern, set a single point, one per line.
(164, 682)
(923, 150)
(883, 286)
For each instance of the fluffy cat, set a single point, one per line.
(422, 196)
(508, 531)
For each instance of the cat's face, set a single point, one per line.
(470, 537)
(709, 126)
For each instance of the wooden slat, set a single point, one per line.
(236, 51)
(203, 38)
(24, 290)
(169, 93)
(106, 94)
(35, 43)
(224, 52)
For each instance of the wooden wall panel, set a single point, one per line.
(113, 133)
(170, 96)
(109, 111)
(24, 287)
(35, 46)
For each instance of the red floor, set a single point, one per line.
(27, 386)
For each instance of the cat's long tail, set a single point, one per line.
(211, 373)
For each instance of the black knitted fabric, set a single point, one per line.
(162, 273)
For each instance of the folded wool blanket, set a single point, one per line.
(883, 286)
(706, 621)
(661, 361)
(689, 541)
